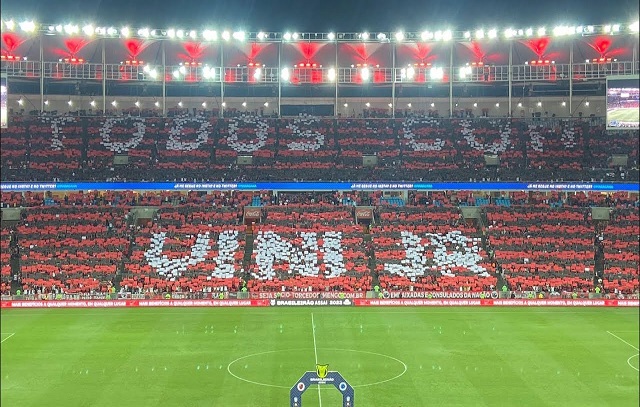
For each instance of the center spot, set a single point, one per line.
(282, 368)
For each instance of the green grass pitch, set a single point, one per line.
(251, 357)
(624, 115)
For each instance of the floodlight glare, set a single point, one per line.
(180, 33)
(257, 74)
(479, 34)
(93, 103)
(114, 103)
(426, 36)
(529, 32)
(509, 33)
(143, 32)
(433, 104)
(180, 103)
(436, 73)
(71, 29)
(88, 29)
(182, 70)
(390, 105)
(438, 35)
(261, 36)
(284, 74)
(204, 104)
(210, 35)
(137, 103)
(287, 36)
(125, 32)
(294, 36)
(542, 32)
(238, 35)
(171, 33)
(153, 74)
(635, 26)
(331, 74)
(497, 104)
(226, 35)
(399, 36)
(467, 34)
(10, 25)
(409, 105)
(176, 74)
(365, 74)
(520, 104)
(112, 31)
(615, 28)
(21, 101)
(367, 104)
(157, 104)
(475, 105)
(447, 35)
(331, 36)
(193, 34)
(493, 33)
(364, 36)
(383, 36)
(28, 26)
(266, 104)
(70, 102)
(244, 104)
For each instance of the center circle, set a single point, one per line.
(631, 358)
(298, 374)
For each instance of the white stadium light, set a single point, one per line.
(294, 36)
(586, 103)
(564, 104)
(542, 32)
(287, 36)
(244, 104)
(346, 105)
(224, 104)
(176, 74)
(112, 31)
(465, 71)
(171, 33)
(143, 32)
(634, 27)
(284, 74)
(46, 102)
(182, 70)
(10, 25)
(226, 35)
(364, 36)
(409, 105)
(209, 35)
(467, 35)
(21, 101)
(257, 74)
(390, 105)
(399, 36)
(331, 36)
(71, 29)
(180, 33)
(433, 104)
(180, 103)
(88, 30)
(58, 28)
(520, 104)
(367, 104)
(137, 103)
(266, 104)
(365, 74)
(475, 105)
(93, 103)
(208, 73)
(331, 74)
(493, 33)
(28, 26)
(615, 28)
(204, 104)
(383, 36)
(590, 29)
(238, 35)
(529, 32)
(125, 32)
(101, 30)
(447, 35)
(157, 104)
(436, 73)
(509, 33)
(114, 103)
(426, 35)
(193, 34)
(497, 104)
(479, 34)
(261, 36)
(438, 35)
(153, 74)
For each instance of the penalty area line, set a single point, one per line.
(8, 333)
(619, 338)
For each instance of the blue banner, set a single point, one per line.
(318, 186)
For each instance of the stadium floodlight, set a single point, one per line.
(257, 74)
(114, 103)
(21, 101)
(590, 29)
(284, 74)
(586, 103)
(464, 72)
(46, 102)
(436, 73)
(137, 104)
(143, 32)
(331, 36)
(153, 74)
(579, 29)
(193, 34)
(157, 104)
(28, 26)
(171, 33)
(365, 73)
(93, 103)
(176, 74)
(88, 30)
(433, 104)
(71, 29)
(261, 36)
(409, 105)
(390, 105)
(509, 33)
(520, 104)
(615, 28)
(180, 104)
(634, 27)
(364, 36)
(367, 104)
(266, 104)
(399, 36)
(208, 73)
(287, 36)
(426, 35)
(438, 35)
(224, 104)
(295, 36)
(475, 104)
(10, 25)
(58, 28)
(180, 33)
(124, 31)
(542, 32)
(447, 35)
(563, 103)
(346, 105)
(331, 74)
(101, 30)
(238, 35)
(226, 35)
(467, 34)
(209, 35)
(407, 73)
(493, 33)
(112, 31)
(529, 32)
(244, 104)
(497, 104)
(182, 70)
(479, 34)
(204, 105)
(383, 36)
(539, 104)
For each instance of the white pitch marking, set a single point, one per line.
(616, 336)
(629, 361)
(10, 335)
(315, 352)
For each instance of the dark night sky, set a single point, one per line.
(324, 15)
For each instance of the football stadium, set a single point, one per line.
(215, 217)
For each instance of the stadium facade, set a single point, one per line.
(494, 72)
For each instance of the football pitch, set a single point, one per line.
(252, 357)
(624, 115)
